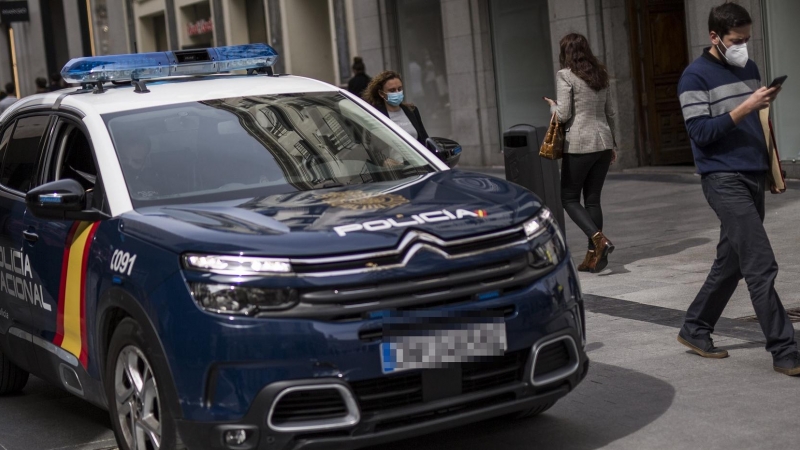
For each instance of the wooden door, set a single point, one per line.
(660, 56)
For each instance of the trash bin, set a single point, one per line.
(525, 167)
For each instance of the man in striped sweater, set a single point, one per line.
(721, 94)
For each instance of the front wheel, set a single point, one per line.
(140, 418)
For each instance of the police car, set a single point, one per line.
(250, 260)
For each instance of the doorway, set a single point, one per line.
(660, 54)
(423, 62)
(308, 42)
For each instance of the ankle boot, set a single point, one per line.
(602, 248)
(587, 264)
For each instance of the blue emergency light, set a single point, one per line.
(144, 66)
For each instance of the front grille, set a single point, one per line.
(353, 303)
(444, 412)
(309, 405)
(551, 358)
(388, 392)
(392, 258)
(495, 372)
(399, 390)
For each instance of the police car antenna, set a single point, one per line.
(139, 86)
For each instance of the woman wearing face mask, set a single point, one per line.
(385, 93)
(584, 106)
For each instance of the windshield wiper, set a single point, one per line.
(327, 184)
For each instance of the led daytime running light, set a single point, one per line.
(538, 224)
(237, 265)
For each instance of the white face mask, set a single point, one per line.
(736, 55)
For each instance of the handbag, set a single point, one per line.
(553, 145)
(776, 176)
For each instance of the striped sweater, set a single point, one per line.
(709, 90)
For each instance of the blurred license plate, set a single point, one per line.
(436, 348)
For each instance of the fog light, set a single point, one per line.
(235, 437)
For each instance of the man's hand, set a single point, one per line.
(759, 100)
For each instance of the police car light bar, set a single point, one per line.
(144, 66)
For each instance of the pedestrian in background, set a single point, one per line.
(56, 82)
(358, 84)
(583, 104)
(385, 93)
(11, 97)
(720, 97)
(41, 85)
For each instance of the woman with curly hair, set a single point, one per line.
(584, 106)
(385, 93)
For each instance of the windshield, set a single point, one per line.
(252, 146)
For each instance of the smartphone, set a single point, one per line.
(778, 81)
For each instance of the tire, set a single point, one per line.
(533, 412)
(12, 378)
(135, 394)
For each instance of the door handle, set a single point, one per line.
(30, 236)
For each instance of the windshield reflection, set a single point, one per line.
(254, 146)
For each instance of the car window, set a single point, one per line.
(261, 145)
(72, 158)
(21, 155)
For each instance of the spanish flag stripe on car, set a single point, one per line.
(71, 328)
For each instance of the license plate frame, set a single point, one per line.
(443, 345)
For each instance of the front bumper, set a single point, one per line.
(379, 427)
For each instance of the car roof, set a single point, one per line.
(117, 98)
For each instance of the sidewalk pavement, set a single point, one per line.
(666, 234)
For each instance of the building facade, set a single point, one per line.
(474, 67)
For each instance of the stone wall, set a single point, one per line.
(470, 74)
(697, 27)
(605, 24)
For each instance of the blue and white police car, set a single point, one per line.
(227, 261)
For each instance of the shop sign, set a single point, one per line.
(16, 11)
(202, 26)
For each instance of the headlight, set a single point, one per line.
(549, 253)
(236, 265)
(536, 226)
(228, 299)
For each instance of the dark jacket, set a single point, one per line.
(414, 117)
(358, 84)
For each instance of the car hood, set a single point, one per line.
(449, 205)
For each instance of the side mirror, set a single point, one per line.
(447, 150)
(61, 200)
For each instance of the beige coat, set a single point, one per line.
(588, 115)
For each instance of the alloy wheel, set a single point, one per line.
(138, 406)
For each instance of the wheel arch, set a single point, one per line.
(115, 305)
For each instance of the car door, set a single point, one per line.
(58, 249)
(20, 151)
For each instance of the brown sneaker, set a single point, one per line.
(703, 346)
(602, 248)
(788, 365)
(588, 262)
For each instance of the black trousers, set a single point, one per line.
(584, 173)
(743, 251)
